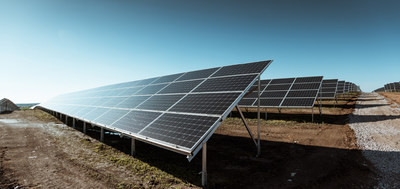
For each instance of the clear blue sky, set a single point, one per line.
(53, 47)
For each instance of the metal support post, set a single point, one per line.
(266, 117)
(84, 127)
(258, 118)
(66, 120)
(101, 134)
(73, 123)
(336, 102)
(133, 147)
(204, 166)
(320, 106)
(312, 116)
(245, 124)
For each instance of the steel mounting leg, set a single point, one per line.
(101, 134)
(204, 166)
(258, 118)
(245, 124)
(84, 127)
(133, 147)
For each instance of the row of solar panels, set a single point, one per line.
(179, 112)
(7, 105)
(300, 92)
(390, 87)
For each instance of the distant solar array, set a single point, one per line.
(7, 105)
(177, 112)
(390, 87)
(300, 92)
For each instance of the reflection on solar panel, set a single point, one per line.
(328, 89)
(178, 112)
(300, 92)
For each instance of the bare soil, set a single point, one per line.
(392, 97)
(295, 154)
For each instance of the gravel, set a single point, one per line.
(376, 124)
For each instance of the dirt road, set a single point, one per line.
(38, 151)
(376, 123)
(29, 153)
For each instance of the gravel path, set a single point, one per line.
(376, 124)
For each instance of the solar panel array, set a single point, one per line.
(390, 87)
(328, 89)
(176, 112)
(382, 89)
(300, 92)
(7, 105)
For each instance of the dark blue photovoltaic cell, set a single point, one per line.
(133, 101)
(329, 85)
(130, 91)
(278, 87)
(181, 87)
(264, 82)
(135, 121)
(95, 113)
(234, 83)
(306, 86)
(111, 116)
(151, 89)
(82, 111)
(317, 79)
(168, 78)
(160, 102)
(197, 74)
(242, 69)
(282, 81)
(247, 101)
(328, 90)
(267, 94)
(216, 103)
(305, 93)
(146, 81)
(182, 130)
(112, 102)
(334, 81)
(270, 102)
(298, 102)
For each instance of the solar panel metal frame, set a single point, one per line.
(334, 81)
(287, 92)
(341, 87)
(190, 152)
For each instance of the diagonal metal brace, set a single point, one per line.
(247, 126)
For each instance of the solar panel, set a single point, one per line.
(397, 86)
(340, 87)
(298, 92)
(177, 112)
(347, 87)
(328, 89)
